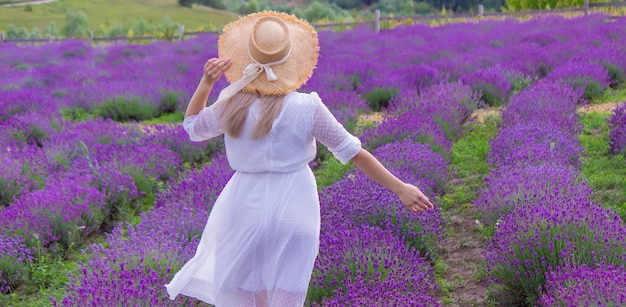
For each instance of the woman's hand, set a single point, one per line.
(414, 199)
(213, 70)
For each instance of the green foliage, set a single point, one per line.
(186, 3)
(13, 272)
(616, 75)
(251, 7)
(13, 32)
(76, 25)
(168, 118)
(123, 110)
(395, 6)
(490, 95)
(51, 30)
(320, 11)
(79, 114)
(147, 185)
(546, 254)
(168, 28)
(379, 98)
(348, 4)
(32, 134)
(330, 170)
(612, 95)
(519, 83)
(593, 90)
(519, 5)
(605, 172)
(468, 161)
(28, 8)
(169, 103)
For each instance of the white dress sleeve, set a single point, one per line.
(326, 129)
(204, 125)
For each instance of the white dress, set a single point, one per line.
(262, 236)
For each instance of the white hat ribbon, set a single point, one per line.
(251, 72)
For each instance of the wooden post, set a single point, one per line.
(481, 10)
(91, 35)
(181, 31)
(1, 37)
(377, 21)
(586, 7)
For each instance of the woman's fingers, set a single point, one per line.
(215, 67)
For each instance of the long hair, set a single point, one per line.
(236, 110)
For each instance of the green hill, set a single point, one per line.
(115, 12)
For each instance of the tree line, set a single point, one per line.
(314, 10)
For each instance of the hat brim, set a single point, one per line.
(293, 73)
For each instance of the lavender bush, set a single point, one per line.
(360, 200)
(617, 130)
(538, 238)
(509, 187)
(534, 143)
(368, 254)
(592, 78)
(363, 292)
(14, 256)
(599, 285)
(64, 213)
(138, 260)
(450, 104)
(545, 103)
(492, 82)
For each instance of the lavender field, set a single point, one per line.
(103, 197)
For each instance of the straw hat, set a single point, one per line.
(272, 53)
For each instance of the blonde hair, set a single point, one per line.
(235, 112)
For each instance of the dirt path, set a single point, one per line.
(481, 114)
(465, 281)
(27, 3)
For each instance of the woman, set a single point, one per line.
(262, 237)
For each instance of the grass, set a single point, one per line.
(612, 95)
(468, 162)
(116, 12)
(605, 172)
(10, 1)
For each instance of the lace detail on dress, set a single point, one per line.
(204, 125)
(332, 133)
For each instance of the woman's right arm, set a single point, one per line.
(201, 123)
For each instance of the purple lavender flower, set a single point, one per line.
(64, 212)
(14, 255)
(364, 255)
(509, 187)
(599, 285)
(532, 144)
(617, 130)
(545, 103)
(364, 292)
(592, 78)
(139, 260)
(538, 238)
(492, 82)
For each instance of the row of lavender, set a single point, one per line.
(617, 130)
(552, 245)
(136, 82)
